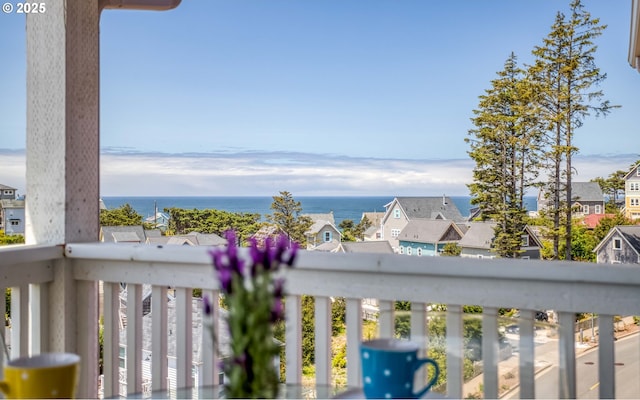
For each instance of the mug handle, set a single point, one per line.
(432, 381)
(4, 388)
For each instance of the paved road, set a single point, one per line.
(627, 360)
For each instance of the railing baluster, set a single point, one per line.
(323, 340)
(606, 357)
(19, 321)
(159, 331)
(134, 338)
(39, 318)
(210, 350)
(455, 351)
(111, 339)
(526, 346)
(354, 336)
(3, 310)
(293, 346)
(418, 335)
(184, 338)
(567, 355)
(386, 320)
(490, 352)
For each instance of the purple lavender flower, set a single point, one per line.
(225, 277)
(277, 310)
(282, 243)
(290, 256)
(207, 306)
(248, 325)
(278, 288)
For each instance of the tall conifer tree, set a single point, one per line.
(506, 149)
(565, 67)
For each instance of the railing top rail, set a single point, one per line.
(21, 253)
(527, 284)
(27, 264)
(503, 269)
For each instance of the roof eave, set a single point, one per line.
(634, 36)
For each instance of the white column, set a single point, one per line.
(62, 165)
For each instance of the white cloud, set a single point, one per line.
(126, 173)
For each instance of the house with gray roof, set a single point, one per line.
(404, 209)
(378, 247)
(123, 234)
(428, 237)
(477, 242)
(190, 239)
(12, 211)
(374, 232)
(620, 246)
(322, 231)
(586, 198)
(12, 216)
(7, 192)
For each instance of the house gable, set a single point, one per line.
(620, 246)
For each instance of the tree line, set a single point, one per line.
(525, 126)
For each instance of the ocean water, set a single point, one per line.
(349, 207)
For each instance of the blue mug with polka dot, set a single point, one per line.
(389, 367)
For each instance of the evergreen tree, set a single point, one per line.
(565, 67)
(286, 215)
(506, 148)
(124, 215)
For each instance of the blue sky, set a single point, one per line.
(331, 97)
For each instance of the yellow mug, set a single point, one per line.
(44, 376)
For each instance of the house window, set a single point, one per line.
(585, 209)
(634, 186)
(409, 251)
(15, 222)
(617, 244)
(419, 251)
(525, 240)
(598, 209)
(395, 233)
(634, 202)
(401, 249)
(327, 236)
(396, 213)
(122, 358)
(638, 172)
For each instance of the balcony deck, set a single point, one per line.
(567, 288)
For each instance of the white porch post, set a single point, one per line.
(63, 165)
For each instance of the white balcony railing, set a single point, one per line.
(567, 288)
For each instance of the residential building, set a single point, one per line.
(374, 232)
(12, 217)
(123, 234)
(592, 220)
(586, 199)
(12, 213)
(632, 193)
(7, 192)
(379, 247)
(620, 246)
(190, 239)
(323, 230)
(427, 237)
(401, 210)
(159, 221)
(478, 242)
